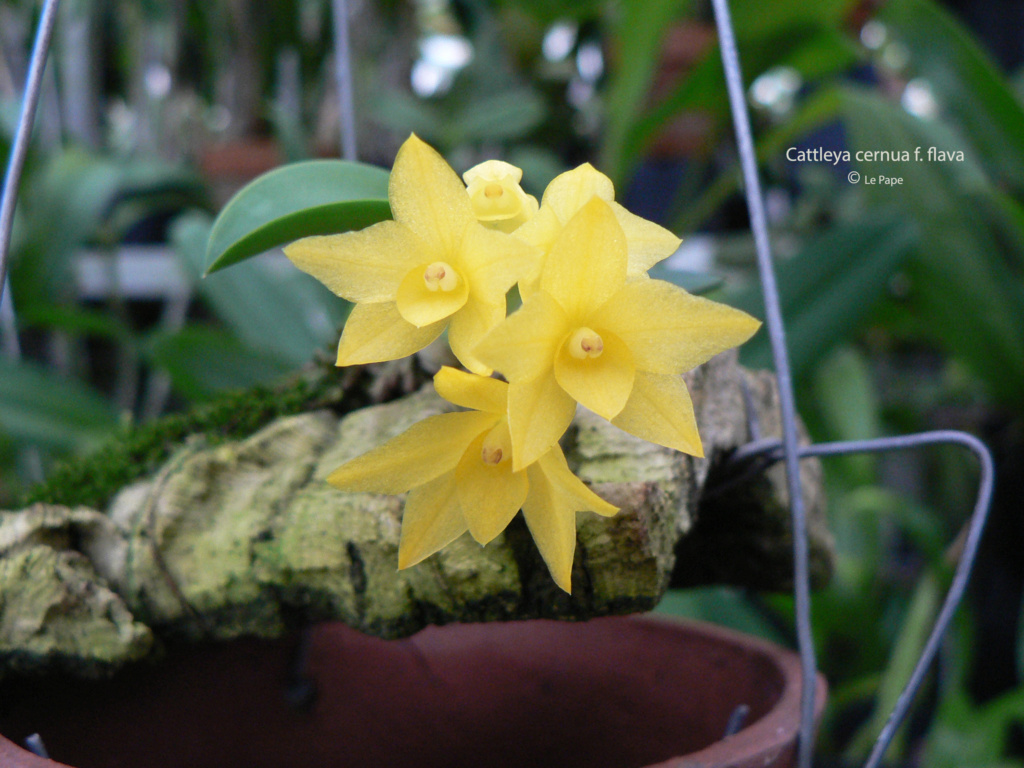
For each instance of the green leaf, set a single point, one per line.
(828, 289)
(640, 30)
(910, 644)
(76, 198)
(963, 288)
(974, 95)
(751, 21)
(815, 52)
(844, 393)
(501, 116)
(820, 108)
(202, 362)
(725, 606)
(694, 282)
(404, 113)
(316, 197)
(39, 408)
(272, 308)
(77, 321)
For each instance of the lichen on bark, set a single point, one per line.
(244, 537)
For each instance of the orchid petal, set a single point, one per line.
(493, 170)
(539, 412)
(575, 491)
(587, 263)
(495, 261)
(660, 411)
(421, 306)
(570, 191)
(552, 523)
(524, 345)
(600, 383)
(431, 520)
(648, 243)
(468, 328)
(426, 450)
(497, 198)
(669, 330)
(489, 495)
(541, 231)
(472, 391)
(359, 266)
(427, 196)
(377, 332)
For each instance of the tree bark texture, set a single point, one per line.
(246, 537)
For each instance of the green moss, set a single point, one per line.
(139, 450)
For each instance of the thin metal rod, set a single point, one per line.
(986, 483)
(19, 149)
(343, 78)
(34, 744)
(787, 406)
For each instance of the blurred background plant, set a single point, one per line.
(905, 305)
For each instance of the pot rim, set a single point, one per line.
(762, 742)
(767, 737)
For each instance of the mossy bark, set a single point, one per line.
(244, 537)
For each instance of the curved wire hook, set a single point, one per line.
(771, 448)
(789, 449)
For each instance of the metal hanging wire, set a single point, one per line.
(343, 79)
(791, 452)
(762, 451)
(777, 337)
(19, 148)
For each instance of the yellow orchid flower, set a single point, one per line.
(459, 471)
(616, 346)
(647, 243)
(434, 267)
(498, 200)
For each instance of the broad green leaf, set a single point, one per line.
(39, 408)
(1008, 213)
(273, 308)
(203, 361)
(694, 282)
(828, 289)
(510, 114)
(316, 197)
(846, 400)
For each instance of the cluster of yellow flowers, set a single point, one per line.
(593, 329)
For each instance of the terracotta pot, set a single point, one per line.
(615, 692)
